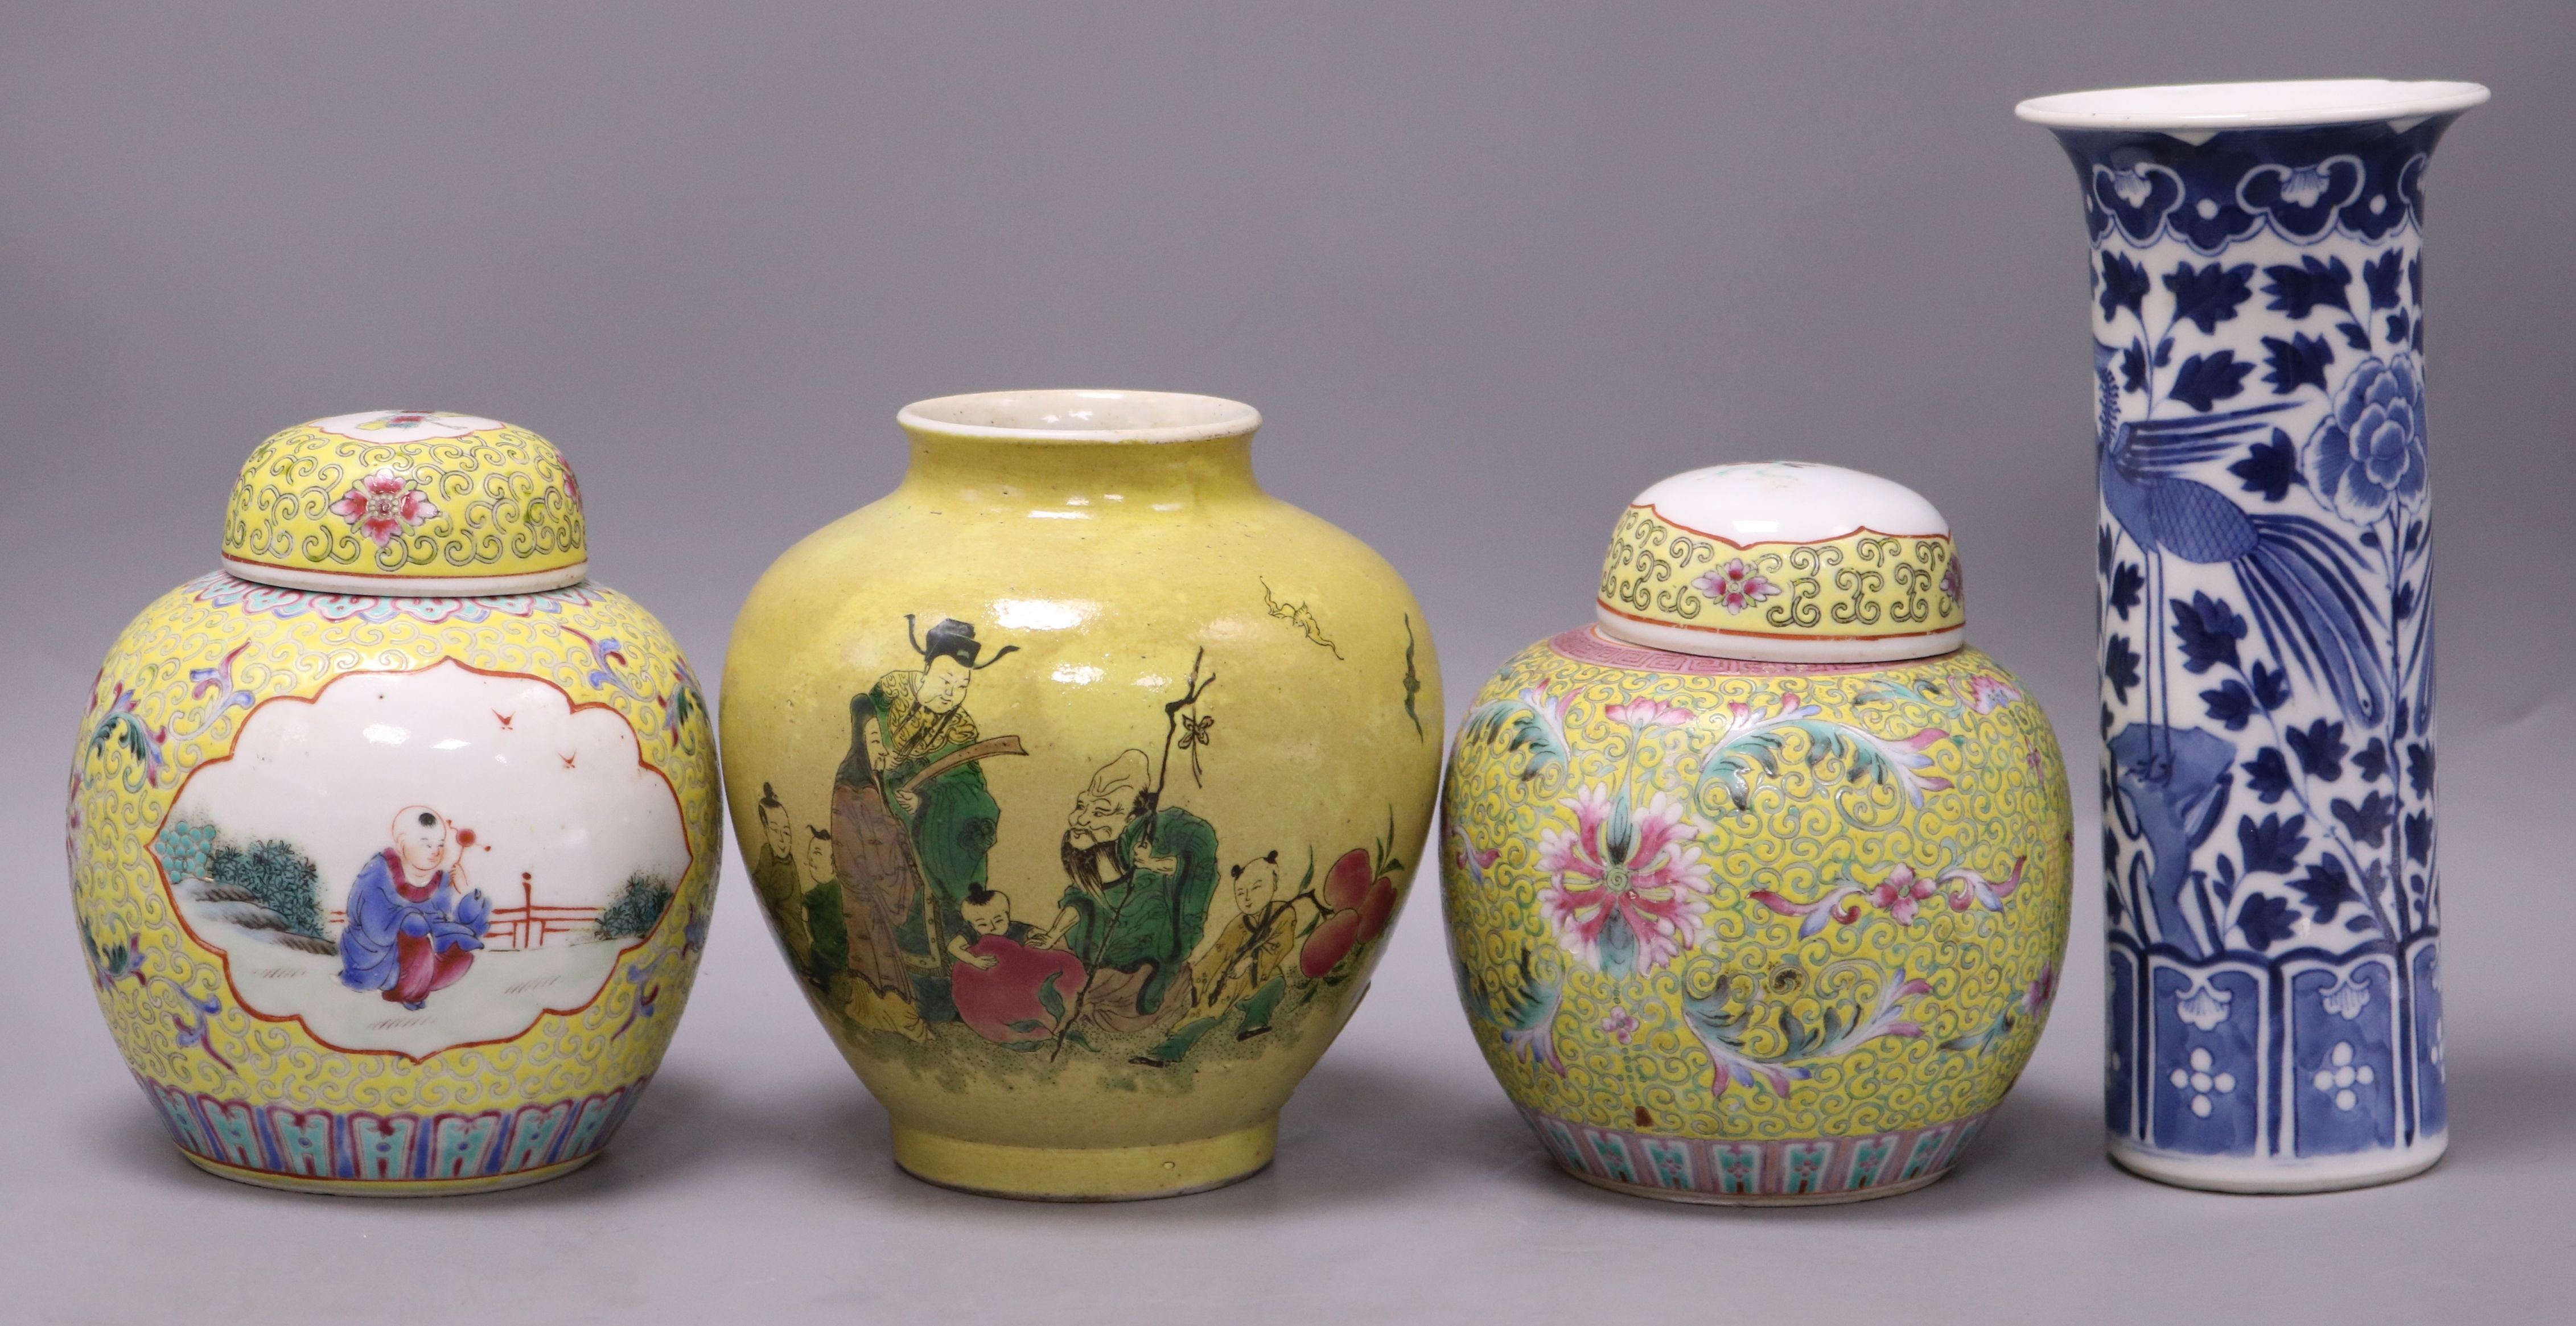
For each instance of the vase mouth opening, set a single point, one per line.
(1081, 415)
(2288, 104)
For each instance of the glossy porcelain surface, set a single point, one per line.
(393, 895)
(1080, 780)
(407, 502)
(1790, 561)
(1745, 931)
(2266, 626)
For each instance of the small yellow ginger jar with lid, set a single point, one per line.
(1757, 887)
(393, 842)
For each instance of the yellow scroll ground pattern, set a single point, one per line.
(292, 644)
(1803, 827)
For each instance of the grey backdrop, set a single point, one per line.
(1488, 269)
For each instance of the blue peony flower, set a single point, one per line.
(2369, 453)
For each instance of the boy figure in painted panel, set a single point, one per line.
(1245, 967)
(911, 819)
(410, 930)
(1141, 878)
(778, 881)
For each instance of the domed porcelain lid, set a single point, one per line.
(408, 502)
(1784, 561)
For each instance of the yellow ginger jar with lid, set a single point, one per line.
(1081, 779)
(1757, 887)
(393, 842)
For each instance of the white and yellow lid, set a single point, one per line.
(1784, 561)
(407, 502)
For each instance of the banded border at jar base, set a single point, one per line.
(378, 1188)
(394, 1153)
(1794, 1171)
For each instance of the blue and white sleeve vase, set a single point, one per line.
(2266, 645)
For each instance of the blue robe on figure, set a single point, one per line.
(408, 939)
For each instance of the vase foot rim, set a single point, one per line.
(260, 1178)
(1692, 1197)
(2279, 1178)
(1086, 1174)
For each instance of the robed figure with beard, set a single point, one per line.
(1140, 878)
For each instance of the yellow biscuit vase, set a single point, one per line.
(1080, 780)
(1778, 919)
(393, 863)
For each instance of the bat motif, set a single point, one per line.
(1299, 616)
(505, 720)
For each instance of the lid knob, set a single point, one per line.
(407, 502)
(1783, 561)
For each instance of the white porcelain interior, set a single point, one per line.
(1082, 415)
(2215, 106)
(1786, 501)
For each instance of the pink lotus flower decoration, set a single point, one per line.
(1620, 1022)
(1649, 713)
(1628, 888)
(1734, 586)
(382, 506)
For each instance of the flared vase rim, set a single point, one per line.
(2283, 104)
(1081, 414)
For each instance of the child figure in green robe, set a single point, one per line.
(1245, 968)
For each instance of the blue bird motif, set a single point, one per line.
(2297, 576)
